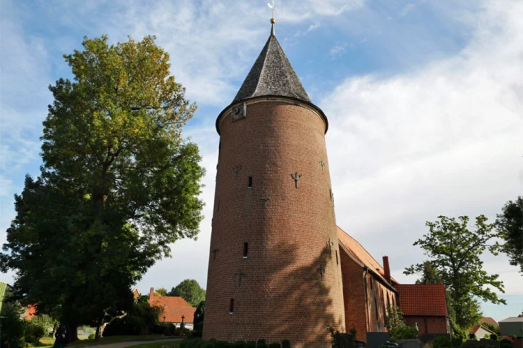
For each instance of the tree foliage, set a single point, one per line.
(160, 292)
(117, 186)
(510, 226)
(199, 315)
(454, 253)
(190, 290)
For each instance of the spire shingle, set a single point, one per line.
(272, 75)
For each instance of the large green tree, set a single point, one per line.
(454, 253)
(510, 226)
(118, 184)
(190, 290)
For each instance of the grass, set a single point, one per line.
(48, 342)
(159, 345)
(115, 339)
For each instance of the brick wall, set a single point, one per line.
(428, 324)
(354, 296)
(366, 299)
(281, 295)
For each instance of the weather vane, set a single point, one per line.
(273, 8)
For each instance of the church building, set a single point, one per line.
(279, 267)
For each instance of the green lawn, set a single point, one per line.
(159, 345)
(114, 339)
(47, 342)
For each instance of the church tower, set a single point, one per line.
(274, 269)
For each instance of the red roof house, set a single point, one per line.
(174, 308)
(424, 306)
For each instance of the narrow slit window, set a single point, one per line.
(245, 250)
(337, 260)
(231, 306)
(250, 181)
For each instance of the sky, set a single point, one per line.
(424, 100)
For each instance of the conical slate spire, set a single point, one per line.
(272, 75)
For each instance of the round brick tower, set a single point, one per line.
(274, 270)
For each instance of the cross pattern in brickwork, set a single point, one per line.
(240, 275)
(237, 170)
(330, 244)
(321, 271)
(296, 177)
(265, 200)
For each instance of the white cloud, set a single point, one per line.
(444, 139)
(337, 51)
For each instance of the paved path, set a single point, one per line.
(134, 343)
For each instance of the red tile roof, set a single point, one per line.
(488, 320)
(422, 299)
(174, 307)
(358, 251)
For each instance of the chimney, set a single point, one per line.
(151, 294)
(386, 268)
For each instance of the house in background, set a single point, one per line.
(480, 332)
(175, 309)
(489, 320)
(512, 326)
(424, 306)
(4, 291)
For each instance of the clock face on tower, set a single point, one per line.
(239, 111)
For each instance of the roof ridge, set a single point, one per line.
(362, 247)
(266, 49)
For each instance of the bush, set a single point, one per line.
(13, 328)
(404, 333)
(506, 343)
(92, 336)
(33, 332)
(261, 343)
(456, 342)
(275, 345)
(285, 344)
(190, 343)
(251, 344)
(128, 325)
(441, 342)
(493, 337)
(158, 329)
(240, 344)
(170, 330)
(221, 344)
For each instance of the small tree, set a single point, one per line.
(160, 292)
(510, 226)
(394, 319)
(198, 317)
(454, 251)
(190, 290)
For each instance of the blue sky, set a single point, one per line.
(424, 100)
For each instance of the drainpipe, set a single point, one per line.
(366, 271)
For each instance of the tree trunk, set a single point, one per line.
(72, 334)
(98, 329)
